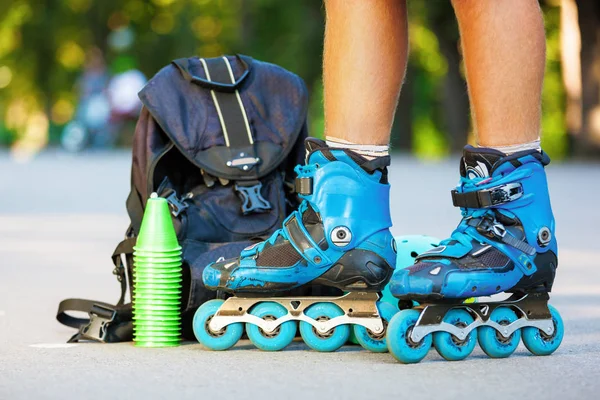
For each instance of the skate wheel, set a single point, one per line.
(221, 340)
(330, 340)
(280, 337)
(492, 342)
(398, 338)
(541, 344)
(372, 341)
(448, 345)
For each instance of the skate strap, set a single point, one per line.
(495, 230)
(303, 242)
(487, 197)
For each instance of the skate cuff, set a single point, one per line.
(488, 197)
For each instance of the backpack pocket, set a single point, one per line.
(215, 214)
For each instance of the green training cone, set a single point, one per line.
(171, 334)
(146, 293)
(142, 271)
(157, 324)
(156, 344)
(155, 327)
(159, 275)
(158, 255)
(163, 332)
(157, 233)
(157, 321)
(144, 307)
(154, 317)
(152, 304)
(143, 286)
(158, 294)
(157, 281)
(159, 268)
(153, 252)
(157, 278)
(166, 261)
(145, 300)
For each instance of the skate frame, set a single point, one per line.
(359, 308)
(532, 310)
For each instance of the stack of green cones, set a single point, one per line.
(157, 279)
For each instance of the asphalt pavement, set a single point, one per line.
(61, 216)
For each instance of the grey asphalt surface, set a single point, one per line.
(61, 216)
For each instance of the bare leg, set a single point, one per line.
(504, 48)
(366, 45)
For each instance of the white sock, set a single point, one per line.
(369, 151)
(535, 145)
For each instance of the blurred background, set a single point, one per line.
(70, 69)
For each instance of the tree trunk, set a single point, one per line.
(570, 45)
(588, 141)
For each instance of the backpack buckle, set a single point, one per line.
(177, 206)
(97, 329)
(252, 199)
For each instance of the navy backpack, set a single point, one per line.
(218, 138)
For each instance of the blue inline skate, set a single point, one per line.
(339, 237)
(505, 243)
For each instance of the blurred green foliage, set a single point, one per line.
(554, 138)
(43, 47)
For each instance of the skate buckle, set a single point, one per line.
(487, 197)
(506, 193)
(489, 227)
(499, 230)
(252, 199)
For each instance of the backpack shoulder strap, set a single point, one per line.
(106, 323)
(120, 256)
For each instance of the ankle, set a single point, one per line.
(368, 151)
(514, 148)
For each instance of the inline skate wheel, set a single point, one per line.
(330, 340)
(541, 344)
(398, 338)
(492, 342)
(372, 341)
(280, 337)
(221, 340)
(449, 346)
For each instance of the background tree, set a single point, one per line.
(587, 140)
